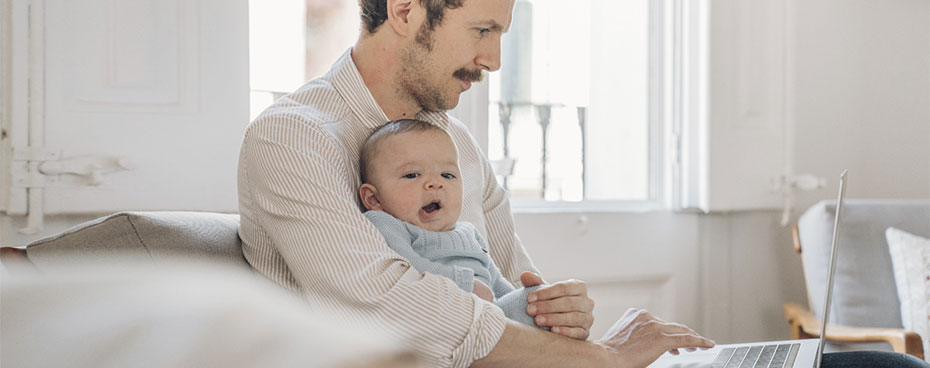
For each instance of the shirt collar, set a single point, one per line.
(350, 85)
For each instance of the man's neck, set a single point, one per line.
(379, 64)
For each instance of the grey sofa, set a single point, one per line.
(165, 310)
(155, 236)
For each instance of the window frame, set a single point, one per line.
(677, 116)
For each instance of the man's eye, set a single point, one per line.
(483, 31)
(448, 175)
(411, 176)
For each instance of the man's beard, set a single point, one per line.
(415, 81)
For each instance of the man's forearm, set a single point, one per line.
(522, 345)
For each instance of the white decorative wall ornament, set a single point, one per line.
(788, 184)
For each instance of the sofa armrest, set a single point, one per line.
(804, 325)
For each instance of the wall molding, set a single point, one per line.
(138, 69)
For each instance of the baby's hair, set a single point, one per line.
(390, 129)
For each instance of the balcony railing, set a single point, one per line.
(543, 113)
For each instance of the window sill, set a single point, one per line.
(532, 207)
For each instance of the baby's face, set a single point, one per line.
(416, 179)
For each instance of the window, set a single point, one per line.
(582, 108)
(292, 41)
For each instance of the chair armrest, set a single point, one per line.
(15, 260)
(805, 325)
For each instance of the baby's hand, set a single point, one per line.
(482, 291)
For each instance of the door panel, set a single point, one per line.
(156, 87)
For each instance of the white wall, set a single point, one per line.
(861, 95)
(726, 258)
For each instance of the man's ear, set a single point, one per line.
(369, 195)
(404, 16)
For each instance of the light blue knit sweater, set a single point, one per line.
(459, 254)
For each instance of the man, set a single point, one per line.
(302, 224)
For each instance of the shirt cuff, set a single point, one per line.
(485, 332)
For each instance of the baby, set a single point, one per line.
(412, 189)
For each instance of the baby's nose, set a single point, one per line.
(434, 184)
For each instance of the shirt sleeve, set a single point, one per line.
(294, 190)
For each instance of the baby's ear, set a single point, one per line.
(369, 196)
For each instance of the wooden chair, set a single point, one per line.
(872, 313)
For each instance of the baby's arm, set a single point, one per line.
(400, 240)
(512, 301)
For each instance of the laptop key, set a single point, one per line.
(737, 358)
(722, 358)
(781, 355)
(766, 356)
(751, 357)
(792, 355)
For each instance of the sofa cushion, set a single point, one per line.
(156, 236)
(909, 256)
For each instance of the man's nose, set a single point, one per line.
(489, 57)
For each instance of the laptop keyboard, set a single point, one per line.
(760, 356)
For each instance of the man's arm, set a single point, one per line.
(636, 340)
(294, 181)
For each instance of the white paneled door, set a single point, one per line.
(135, 104)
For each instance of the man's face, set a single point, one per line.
(416, 177)
(439, 65)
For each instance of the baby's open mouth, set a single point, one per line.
(432, 207)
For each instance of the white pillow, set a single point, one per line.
(910, 258)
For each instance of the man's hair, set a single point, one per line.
(374, 12)
(392, 128)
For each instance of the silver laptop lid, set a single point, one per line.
(826, 304)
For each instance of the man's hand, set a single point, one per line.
(564, 306)
(639, 338)
(482, 291)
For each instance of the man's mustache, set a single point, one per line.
(469, 75)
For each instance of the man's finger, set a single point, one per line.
(689, 341)
(672, 328)
(560, 305)
(573, 332)
(574, 319)
(560, 289)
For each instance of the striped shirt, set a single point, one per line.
(302, 224)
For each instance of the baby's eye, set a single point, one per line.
(411, 176)
(448, 175)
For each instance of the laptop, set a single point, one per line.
(805, 353)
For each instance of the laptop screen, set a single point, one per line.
(826, 304)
